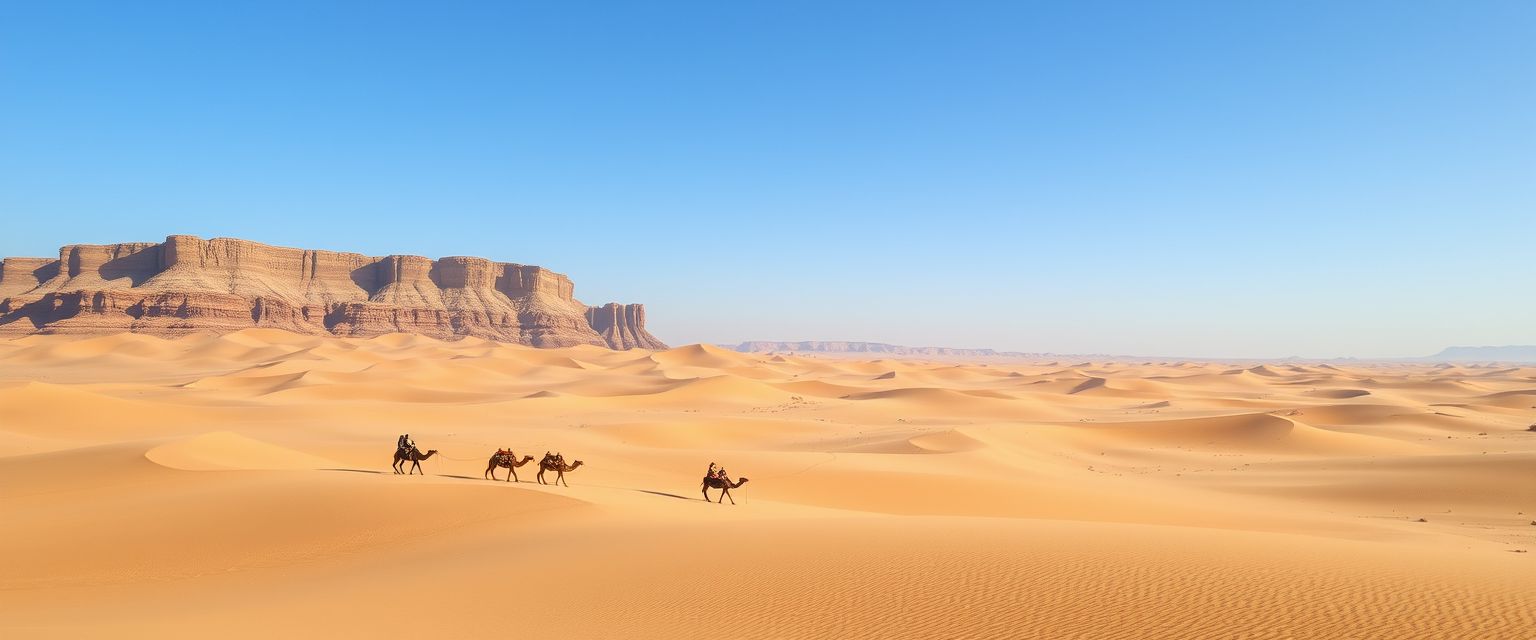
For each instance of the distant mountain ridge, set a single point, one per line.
(1513, 353)
(1510, 353)
(836, 346)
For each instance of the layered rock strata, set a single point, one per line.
(187, 284)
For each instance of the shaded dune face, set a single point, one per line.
(158, 483)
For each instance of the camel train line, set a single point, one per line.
(504, 458)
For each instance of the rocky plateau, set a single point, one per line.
(187, 285)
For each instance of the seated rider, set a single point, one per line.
(405, 443)
(711, 472)
(723, 476)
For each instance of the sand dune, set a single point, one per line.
(226, 450)
(189, 487)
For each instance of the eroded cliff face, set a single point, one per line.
(622, 326)
(187, 284)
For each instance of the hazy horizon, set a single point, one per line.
(1310, 180)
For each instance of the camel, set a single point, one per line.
(415, 457)
(723, 485)
(508, 460)
(557, 465)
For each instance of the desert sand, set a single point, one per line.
(239, 486)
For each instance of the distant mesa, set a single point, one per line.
(187, 284)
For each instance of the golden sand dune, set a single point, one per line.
(239, 485)
(224, 450)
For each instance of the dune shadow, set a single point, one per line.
(662, 493)
(354, 470)
(449, 475)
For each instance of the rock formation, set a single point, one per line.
(622, 326)
(187, 284)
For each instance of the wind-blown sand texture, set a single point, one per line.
(239, 486)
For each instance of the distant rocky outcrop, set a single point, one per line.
(187, 284)
(1512, 353)
(824, 346)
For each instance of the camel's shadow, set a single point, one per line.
(662, 493)
(450, 475)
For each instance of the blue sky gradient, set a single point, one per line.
(1201, 179)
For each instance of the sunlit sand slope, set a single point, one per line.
(240, 486)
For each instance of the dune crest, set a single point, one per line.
(225, 450)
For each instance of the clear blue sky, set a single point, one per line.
(1206, 179)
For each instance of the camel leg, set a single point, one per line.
(706, 494)
(727, 494)
(490, 471)
(513, 476)
(559, 478)
(540, 476)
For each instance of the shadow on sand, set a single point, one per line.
(450, 475)
(662, 493)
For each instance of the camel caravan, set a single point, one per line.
(407, 451)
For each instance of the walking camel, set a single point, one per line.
(508, 460)
(724, 486)
(415, 457)
(557, 466)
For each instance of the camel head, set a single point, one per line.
(431, 452)
(527, 458)
(741, 481)
(575, 464)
